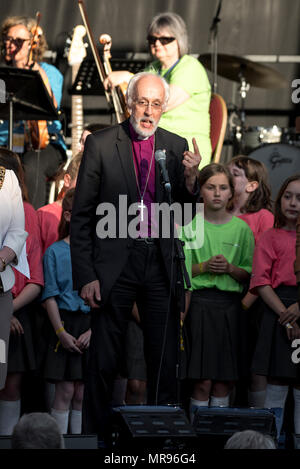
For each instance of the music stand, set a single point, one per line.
(87, 81)
(26, 98)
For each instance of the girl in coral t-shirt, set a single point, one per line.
(273, 279)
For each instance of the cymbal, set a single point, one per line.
(256, 74)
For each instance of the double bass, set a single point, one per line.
(116, 96)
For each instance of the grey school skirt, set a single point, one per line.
(60, 364)
(213, 330)
(273, 352)
(21, 352)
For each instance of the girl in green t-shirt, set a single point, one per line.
(219, 269)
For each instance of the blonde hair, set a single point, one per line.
(30, 24)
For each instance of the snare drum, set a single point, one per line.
(255, 137)
(281, 160)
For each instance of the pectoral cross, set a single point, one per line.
(141, 206)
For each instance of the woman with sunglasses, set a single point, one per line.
(23, 45)
(187, 113)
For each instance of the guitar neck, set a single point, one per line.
(77, 115)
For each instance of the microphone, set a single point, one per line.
(160, 157)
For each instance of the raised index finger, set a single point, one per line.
(196, 149)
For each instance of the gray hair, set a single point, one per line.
(175, 25)
(131, 89)
(37, 430)
(250, 439)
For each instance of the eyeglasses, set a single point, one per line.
(18, 41)
(145, 104)
(164, 40)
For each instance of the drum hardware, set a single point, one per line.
(291, 136)
(252, 137)
(243, 90)
(256, 74)
(213, 39)
(247, 73)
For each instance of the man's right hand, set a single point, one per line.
(90, 293)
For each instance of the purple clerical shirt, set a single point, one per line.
(143, 153)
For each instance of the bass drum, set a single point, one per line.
(281, 160)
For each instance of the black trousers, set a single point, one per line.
(143, 280)
(40, 166)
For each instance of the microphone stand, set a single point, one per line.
(213, 38)
(180, 300)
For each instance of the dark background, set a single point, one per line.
(247, 27)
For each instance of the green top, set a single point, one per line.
(190, 119)
(233, 239)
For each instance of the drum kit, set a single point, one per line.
(278, 148)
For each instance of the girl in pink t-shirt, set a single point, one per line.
(252, 194)
(273, 279)
(49, 215)
(252, 203)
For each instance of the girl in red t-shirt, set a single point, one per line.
(273, 279)
(252, 203)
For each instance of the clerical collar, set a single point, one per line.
(135, 136)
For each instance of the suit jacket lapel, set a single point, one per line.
(124, 146)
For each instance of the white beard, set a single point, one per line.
(143, 132)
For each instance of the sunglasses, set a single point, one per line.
(18, 41)
(163, 40)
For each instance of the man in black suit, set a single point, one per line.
(119, 170)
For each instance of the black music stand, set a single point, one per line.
(87, 81)
(26, 98)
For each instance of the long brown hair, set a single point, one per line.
(213, 169)
(64, 225)
(72, 170)
(279, 218)
(11, 160)
(255, 171)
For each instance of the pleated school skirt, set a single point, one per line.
(212, 329)
(273, 352)
(60, 364)
(21, 352)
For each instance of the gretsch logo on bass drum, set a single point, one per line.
(276, 159)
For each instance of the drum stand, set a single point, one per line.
(213, 38)
(239, 141)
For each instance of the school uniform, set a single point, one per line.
(60, 364)
(22, 347)
(259, 222)
(273, 265)
(213, 320)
